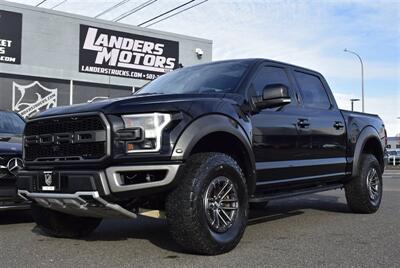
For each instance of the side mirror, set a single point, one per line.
(274, 95)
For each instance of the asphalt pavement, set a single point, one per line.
(316, 230)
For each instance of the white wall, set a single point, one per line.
(50, 45)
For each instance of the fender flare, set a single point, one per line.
(367, 133)
(209, 124)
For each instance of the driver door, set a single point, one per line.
(276, 135)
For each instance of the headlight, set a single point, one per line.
(149, 127)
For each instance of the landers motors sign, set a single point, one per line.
(10, 37)
(108, 52)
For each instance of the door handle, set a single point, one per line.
(338, 125)
(303, 123)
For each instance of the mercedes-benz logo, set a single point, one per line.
(14, 165)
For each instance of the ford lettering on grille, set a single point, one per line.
(60, 138)
(65, 138)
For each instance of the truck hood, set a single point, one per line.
(141, 104)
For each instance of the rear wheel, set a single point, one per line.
(364, 192)
(59, 224)
(207, 212)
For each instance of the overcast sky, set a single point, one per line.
(312, 34)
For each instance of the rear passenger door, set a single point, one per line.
(325, 157)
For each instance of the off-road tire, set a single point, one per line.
(185, 207)
(62, 225)
(357, 191)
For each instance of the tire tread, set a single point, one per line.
(357, 195)
(182, 213)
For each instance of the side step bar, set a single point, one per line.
(295, 193)
(83, 204)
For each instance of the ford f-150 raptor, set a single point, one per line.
(201, 143)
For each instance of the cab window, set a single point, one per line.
(312, 90)
(269, 75)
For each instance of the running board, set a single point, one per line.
(261, 199)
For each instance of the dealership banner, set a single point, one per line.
(108, 52)
(10, 37)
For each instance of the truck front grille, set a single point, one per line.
(66, 138)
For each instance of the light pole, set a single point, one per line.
(352, 103)
(362, 76)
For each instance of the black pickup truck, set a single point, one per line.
(200, 143)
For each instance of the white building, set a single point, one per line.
(393, 143)
(50, 58)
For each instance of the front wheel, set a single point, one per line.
(364, 192)
(207, 212)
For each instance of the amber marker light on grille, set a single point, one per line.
(130, 147)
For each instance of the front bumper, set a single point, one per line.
(92, 193)
(9, 199)
(15, 206)
(84, 204)
(8, 189)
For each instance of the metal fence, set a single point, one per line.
(393, 160)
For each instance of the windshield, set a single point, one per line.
(219, 77)
(11, 123)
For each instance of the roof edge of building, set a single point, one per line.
(101, 21)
